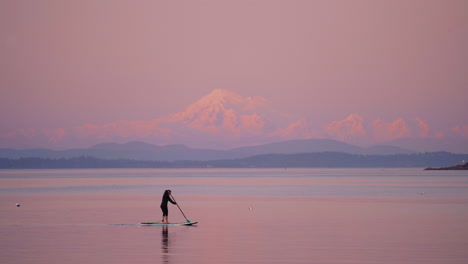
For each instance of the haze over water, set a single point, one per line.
(245, 216)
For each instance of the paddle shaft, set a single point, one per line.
(179, 208)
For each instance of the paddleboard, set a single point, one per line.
(168, 224)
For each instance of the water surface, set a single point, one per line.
(245, 216)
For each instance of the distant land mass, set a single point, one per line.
(457, 167)
(144, 151)
(298, 160)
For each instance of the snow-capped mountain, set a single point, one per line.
(223, 119)
(225, 114)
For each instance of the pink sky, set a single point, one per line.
(70, 63)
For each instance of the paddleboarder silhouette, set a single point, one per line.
(165, 199)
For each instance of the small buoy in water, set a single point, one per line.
(18, 205)
(250, 207)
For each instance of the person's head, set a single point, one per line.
(168, 192)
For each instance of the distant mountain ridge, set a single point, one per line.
(281, 161)
(144, 151)
(431, 144)
(223, 119)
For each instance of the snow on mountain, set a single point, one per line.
(348, 128)
(299, 129)
(228, 115)
(223, 119)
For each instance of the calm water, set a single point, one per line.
(245, 216)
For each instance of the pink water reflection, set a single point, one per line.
(99, 227)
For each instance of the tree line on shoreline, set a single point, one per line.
(299, 160)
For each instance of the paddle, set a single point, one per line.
(188, 221)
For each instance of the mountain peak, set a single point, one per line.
(226, 113)
(221, 96)
(355, 118)
(231, 99)
(299, 129)
(222, 92)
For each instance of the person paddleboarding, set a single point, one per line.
(165, 199)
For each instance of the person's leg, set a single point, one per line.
(164, 210)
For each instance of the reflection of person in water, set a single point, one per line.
(165, 244)
(166, 198)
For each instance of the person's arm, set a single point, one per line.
(170, 200)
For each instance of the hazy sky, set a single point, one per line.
(67, 63)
